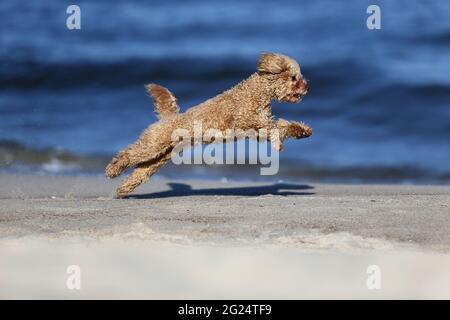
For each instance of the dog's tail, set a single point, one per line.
(165, 102)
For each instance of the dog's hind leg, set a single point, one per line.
(118, 165)
(154, 143)
(146, 148)
(141, 174)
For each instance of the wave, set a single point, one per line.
(17, 157)
(30, 74)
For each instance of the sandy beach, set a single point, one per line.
(231, 211)
(219, 239)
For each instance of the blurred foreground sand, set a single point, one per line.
(204, 239)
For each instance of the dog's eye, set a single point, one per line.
(294, 78)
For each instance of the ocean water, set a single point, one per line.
(378, 102)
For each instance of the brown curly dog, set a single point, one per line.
(245, 106)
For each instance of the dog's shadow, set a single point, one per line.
(182, 189)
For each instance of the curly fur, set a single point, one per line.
(245, 106)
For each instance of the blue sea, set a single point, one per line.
(379, 100)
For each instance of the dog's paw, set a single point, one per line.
(116, 166)
(299, 130)
(113, 169)
(123, 192)
(110, 171)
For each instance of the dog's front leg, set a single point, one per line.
(293, 129)
(283, 129)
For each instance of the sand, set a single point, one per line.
(210, 239)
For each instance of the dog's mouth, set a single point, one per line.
(295, 97)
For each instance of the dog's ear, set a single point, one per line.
(271, 63)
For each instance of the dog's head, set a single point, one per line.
(284, 76)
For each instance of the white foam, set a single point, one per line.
(57, 166)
